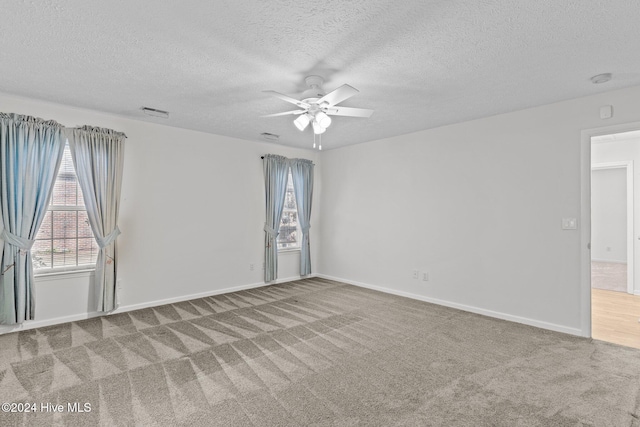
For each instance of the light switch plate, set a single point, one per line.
(569, 223)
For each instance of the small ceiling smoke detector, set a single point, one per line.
(270, 136)
(601, 78)
(155, 113)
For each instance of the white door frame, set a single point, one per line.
(585, 216)
(628, 165)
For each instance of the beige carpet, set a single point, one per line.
(315, 352)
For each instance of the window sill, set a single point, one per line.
(288, 250)
(54, 275)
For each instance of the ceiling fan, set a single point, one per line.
(315, 107)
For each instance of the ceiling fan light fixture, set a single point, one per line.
(323, 119)
(302, 121)
(317, 128)
(316, 106)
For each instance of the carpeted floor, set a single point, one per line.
(314, 352)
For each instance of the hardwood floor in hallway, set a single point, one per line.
(615, 317)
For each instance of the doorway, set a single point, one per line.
(615, 307)
(612, 221)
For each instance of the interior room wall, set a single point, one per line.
(624, 150)
(192, 215)
(476, 205)
(609, 215)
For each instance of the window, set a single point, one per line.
(289, 231)
(65, 240)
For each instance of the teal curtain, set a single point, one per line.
(98, 156)
(30, 154)
(276, 172)
(302, 174)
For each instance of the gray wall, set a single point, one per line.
(191, 216)
(478, 205)
(609, 215)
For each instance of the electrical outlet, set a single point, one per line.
(416, 274)
(251, 267)
(425, 276)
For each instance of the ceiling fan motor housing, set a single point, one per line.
(315, 89)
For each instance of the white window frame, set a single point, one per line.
(298, 229)
(68, 268)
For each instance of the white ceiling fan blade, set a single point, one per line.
(349, 112)
(338, 95)
(287, 98)
(286, 113)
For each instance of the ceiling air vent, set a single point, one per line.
(270, 136)
(155, 113)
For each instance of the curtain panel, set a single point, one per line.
(276, 172)
(302, 174)
(31, 151)
(98, 156)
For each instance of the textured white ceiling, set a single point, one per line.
(418, 63)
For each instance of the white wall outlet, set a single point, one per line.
(425, 276)
(569, 223)
(251, 267)
(416, 274)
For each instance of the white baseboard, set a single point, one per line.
(612, 261)
(181, 298)
(31, 324)
(58, 320)
(463, 307)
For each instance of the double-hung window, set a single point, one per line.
(289, 232)
(65, 240)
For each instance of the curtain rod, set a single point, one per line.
(262, 157)
(66, 128)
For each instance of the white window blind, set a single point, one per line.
(289, 232)
(65, 240)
